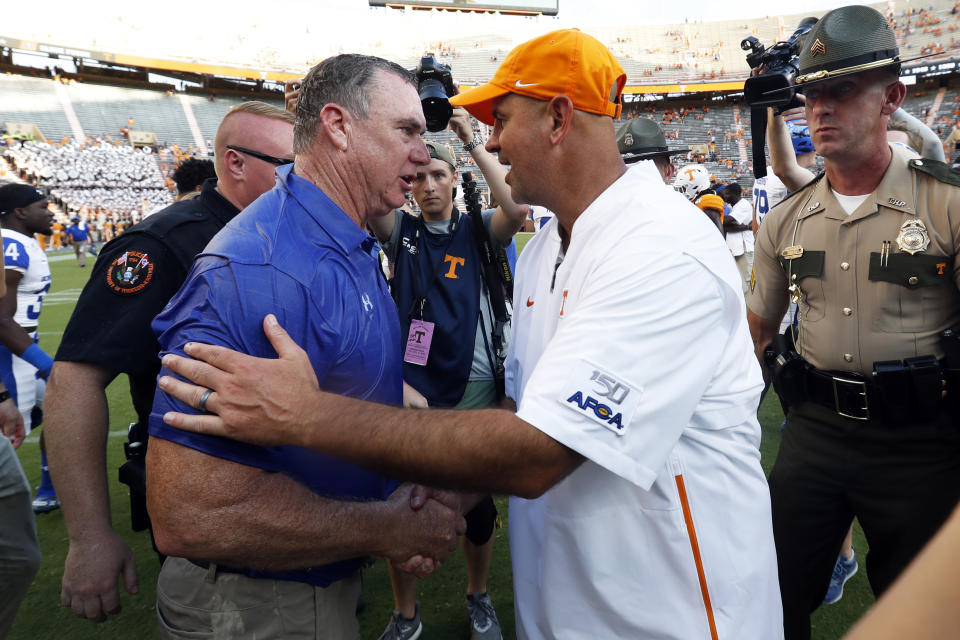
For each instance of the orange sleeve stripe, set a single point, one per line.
(695, 548)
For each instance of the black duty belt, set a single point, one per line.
(899, 392)
(850, 395)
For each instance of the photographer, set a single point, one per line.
(440, 289)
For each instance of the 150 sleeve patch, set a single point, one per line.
(130, 273)
(601, 396)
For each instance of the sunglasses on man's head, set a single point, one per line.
(262, 156)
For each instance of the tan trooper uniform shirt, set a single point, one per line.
(879, 284)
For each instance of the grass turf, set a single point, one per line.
(443, 607)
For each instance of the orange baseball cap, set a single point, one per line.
(565, 62)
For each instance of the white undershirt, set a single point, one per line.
(849, 203)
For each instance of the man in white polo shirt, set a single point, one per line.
(645, 512)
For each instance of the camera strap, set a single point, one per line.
(495, 269)
(758, 134)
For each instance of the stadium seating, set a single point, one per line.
(474, 45)
(33, 100)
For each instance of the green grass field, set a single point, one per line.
(442, 596)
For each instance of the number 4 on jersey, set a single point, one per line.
(12, 252)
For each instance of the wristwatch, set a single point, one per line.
(473, 144)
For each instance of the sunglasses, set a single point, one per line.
(262, 156)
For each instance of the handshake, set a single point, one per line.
(424, 527)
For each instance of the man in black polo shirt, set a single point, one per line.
(109, 333)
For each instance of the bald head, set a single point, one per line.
(258, 127)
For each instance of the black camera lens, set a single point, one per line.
(436, 107)
(435, 85)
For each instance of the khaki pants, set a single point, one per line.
(19, 548)
(193, 602)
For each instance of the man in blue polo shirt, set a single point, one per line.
(78, 233)
(270, 541)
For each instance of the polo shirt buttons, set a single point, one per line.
(847, 311)
(848, 357)
(913, 280)
(845, 266)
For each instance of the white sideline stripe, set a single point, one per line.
(35, 437)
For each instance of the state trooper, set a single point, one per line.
(869, 376)
(643, 139)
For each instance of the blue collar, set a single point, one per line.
(326, 213)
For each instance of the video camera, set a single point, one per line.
(435, 86)
(778, 66)
(773, 86)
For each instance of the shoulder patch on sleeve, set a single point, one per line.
(130, 273)
(601, 396)
(938, 170)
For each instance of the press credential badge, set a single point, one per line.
(418, 342)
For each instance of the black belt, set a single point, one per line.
(850, 395)
(907, 395)
(221, 568)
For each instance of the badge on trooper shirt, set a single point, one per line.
(130, 273)
(913, 237)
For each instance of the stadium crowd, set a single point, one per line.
(113, 178)
(608, 382)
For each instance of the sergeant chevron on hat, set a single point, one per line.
(642, 139)
(847, 40)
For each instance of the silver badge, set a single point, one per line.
(897, 203)
(913, 237)
(813, 206)
(628, 140)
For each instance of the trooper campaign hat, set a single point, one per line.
(642, 139)
(847, 40)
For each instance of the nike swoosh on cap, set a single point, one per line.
(526, 84)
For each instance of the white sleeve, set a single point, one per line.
(742, 212)
(622, 376)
